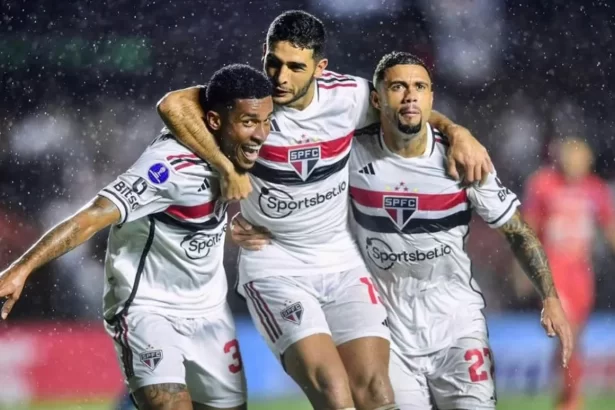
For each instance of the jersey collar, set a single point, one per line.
(429, 147)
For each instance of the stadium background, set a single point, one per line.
(79, 85)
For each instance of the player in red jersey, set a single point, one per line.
(563, 205)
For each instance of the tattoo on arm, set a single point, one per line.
(67, 235)
(164, 395)
(530, 254)
(56, 242)
(184, 118)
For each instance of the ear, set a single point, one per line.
(264, 50)
(375, 99)
(213, 120)
(320, 67)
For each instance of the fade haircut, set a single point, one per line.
(301, 29)
(397, 58)
(234, 82)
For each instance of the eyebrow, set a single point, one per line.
(254, 116)
(296, 64)
(405, 84)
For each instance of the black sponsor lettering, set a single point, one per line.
(384, 257)
(128, 193)
(198, 245)
(139, 186)
(278, 204)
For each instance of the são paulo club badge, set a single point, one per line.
(400, 208)
(304, 160)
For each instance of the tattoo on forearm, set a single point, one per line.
(56, 242)
(163, 395)
(62, 238)
(530, 254)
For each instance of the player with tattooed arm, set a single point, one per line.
(411, 223)
(309, 291)
(165, 286)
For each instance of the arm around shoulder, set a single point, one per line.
(182, 113)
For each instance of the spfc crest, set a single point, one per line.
(293, 313)
(400, 208)
(151, 358)
(304, 160)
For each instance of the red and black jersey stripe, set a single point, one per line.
(181, 161)
(426, 202)
(280, 154)
(331, 80)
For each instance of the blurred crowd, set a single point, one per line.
(81, 79)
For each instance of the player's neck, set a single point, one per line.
(405, 145)
(303, 102)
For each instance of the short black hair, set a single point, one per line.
(234, 82)
(396, 58)
(299, 28)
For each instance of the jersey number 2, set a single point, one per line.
(477, 357)
(233, 348)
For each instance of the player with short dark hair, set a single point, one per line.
(165, 286)
(412, 223)
(309, 292)
(301, 29)
(396, 58)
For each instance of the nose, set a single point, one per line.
(282, 75)
(410, 96)
(261, 132)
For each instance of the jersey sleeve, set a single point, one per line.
(495, 203)
(146, 188)
(606, 212)
(364, 113)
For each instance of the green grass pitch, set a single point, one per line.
(505, 403)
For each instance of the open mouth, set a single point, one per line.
(250, 151)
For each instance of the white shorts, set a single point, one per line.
(458, 377)
(345, 306)
(201, 353)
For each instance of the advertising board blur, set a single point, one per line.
(66, 361)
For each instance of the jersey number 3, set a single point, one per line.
(232, 347)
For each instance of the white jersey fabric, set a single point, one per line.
(411, 221)
(165, 255)
(300, 184)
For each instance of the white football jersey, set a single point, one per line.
(165, 255)
(300, 184)
(411, 221)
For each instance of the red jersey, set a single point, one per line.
(565, 214)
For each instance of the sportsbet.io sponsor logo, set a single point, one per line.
(278, 204)
(384, 257)
(198, 245)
